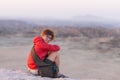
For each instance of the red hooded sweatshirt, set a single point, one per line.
(41, 48)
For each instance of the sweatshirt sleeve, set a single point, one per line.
(45, 46)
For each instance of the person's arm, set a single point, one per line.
(45, 46)
(49, 47)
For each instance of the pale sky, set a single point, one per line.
(61, 9)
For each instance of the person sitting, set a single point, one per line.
(48, 53)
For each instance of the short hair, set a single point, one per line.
(48, 32)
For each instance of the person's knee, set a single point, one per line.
(53, 55)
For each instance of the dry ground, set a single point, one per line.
(80, 58)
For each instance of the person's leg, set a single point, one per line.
(54, 56)
(33, 71)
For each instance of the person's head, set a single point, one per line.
(47, 35)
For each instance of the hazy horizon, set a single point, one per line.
(59, 9)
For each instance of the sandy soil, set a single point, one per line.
(76, 60)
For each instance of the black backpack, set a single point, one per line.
(44, 69)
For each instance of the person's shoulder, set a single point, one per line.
(37, 38)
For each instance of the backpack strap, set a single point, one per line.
(37, 60)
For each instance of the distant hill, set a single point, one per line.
(13, 27)
(24, 28)
(92, 20)
(79, 21)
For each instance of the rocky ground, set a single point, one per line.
(81, 57)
